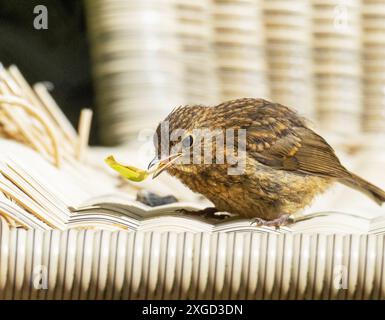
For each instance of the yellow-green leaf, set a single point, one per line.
(129, 172)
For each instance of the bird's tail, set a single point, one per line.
(362, 185)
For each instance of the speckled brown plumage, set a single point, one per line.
(287, 163)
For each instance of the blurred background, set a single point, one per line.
(133, 61)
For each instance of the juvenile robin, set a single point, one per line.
(285, 165)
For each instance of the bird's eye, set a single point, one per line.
(187, 142)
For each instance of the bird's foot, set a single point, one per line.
(209, 213)
(283, 220)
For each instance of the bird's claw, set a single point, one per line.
(283, 220)
(208, 213)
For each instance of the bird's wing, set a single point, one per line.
(294, 148)
(279, 138)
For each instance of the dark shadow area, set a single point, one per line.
(58, 55)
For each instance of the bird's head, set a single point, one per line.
(192, 139)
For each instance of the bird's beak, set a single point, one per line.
(162, 164)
